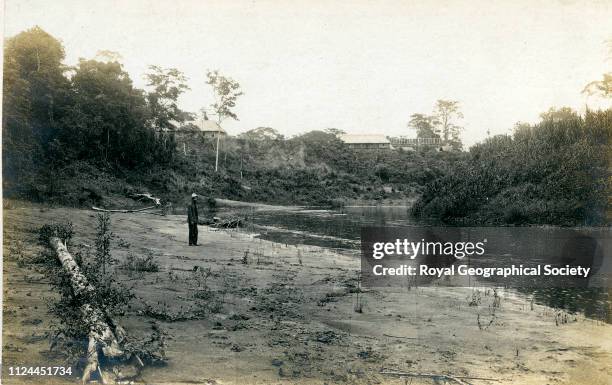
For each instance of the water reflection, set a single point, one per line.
(327, 228)
(593, 302)
(340, 229)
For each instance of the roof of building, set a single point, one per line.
(364, 138)
(201, 125)
(208, 126)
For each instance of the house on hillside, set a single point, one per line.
(189, 134)
(201, 127)
(210, 128)
(366, 141)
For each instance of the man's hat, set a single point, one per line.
(194, 195)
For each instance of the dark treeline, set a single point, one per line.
(85, 135)
(555, 172)
(57, 116)
(77, 135)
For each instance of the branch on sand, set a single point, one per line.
(94, 208)
(136, 196)
(102, 338)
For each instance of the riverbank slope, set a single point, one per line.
(288, 315)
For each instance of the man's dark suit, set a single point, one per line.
(192, 220)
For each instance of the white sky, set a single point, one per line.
(361, 66)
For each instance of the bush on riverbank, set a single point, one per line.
(555, 172)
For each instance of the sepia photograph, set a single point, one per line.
(226, 192)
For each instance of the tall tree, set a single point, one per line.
(424, 125)
(226, 91)
(167, 85)
(447, 113)
(35, 92)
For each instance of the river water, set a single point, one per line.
(341, 229)
(337, 229)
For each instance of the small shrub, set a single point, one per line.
(213, 305)
(204, 294)
(485, 325)
(475, 299)
(496, 300)
(152, 348)
(358, 307)
(142, 264)
(103, 258)
(123, 243)
(200, 276)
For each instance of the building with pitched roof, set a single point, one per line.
(189, 135)
(210, 128)
(366, 141)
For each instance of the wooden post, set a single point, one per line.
(217, 156)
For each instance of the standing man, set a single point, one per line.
(192, 220)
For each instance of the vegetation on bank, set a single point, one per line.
(315, 168)
(85, 135)
(555, 172)
(77, 135)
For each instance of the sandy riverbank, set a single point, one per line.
(281, 321)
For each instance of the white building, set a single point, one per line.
(210, 128)
(366, 141)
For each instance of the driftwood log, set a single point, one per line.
(94, 208)
(102, 338)
(136, 196)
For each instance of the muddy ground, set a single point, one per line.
(288, 315)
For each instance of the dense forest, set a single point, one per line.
(555, 172)
(83, 134)
(76, 135)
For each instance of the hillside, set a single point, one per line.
(81, 135)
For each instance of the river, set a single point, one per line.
(340, 229)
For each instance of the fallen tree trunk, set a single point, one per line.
(94, 208)
(101, 336)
